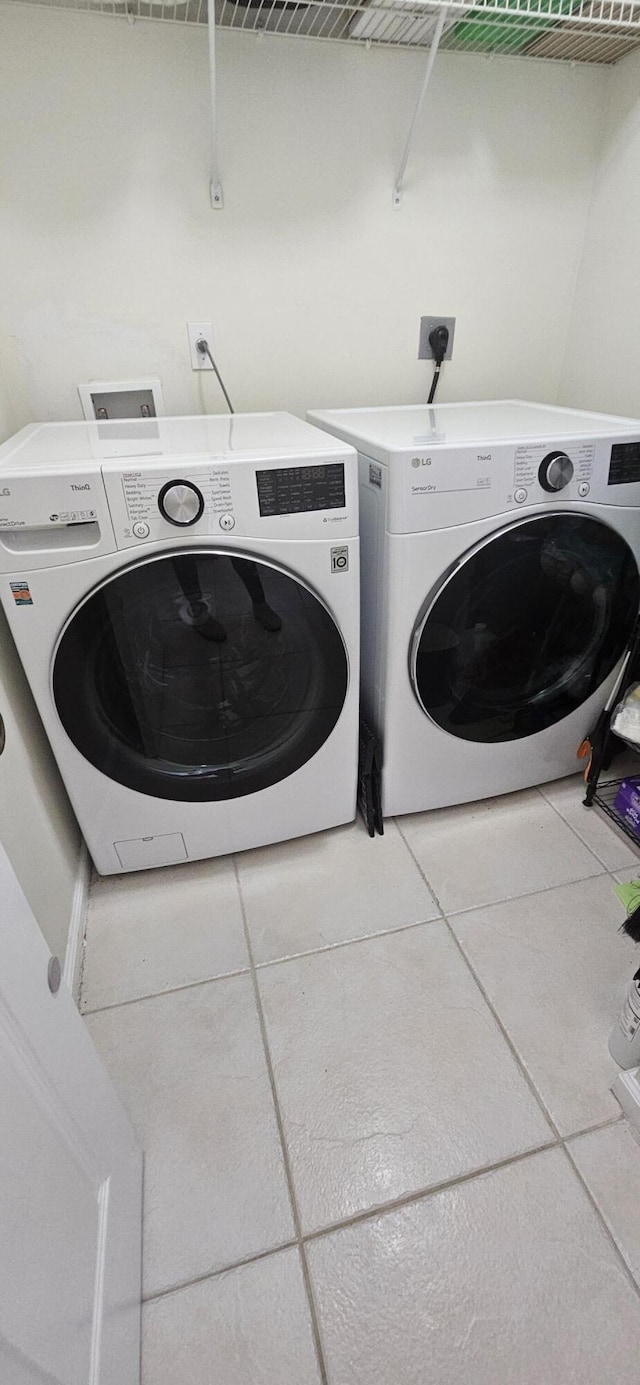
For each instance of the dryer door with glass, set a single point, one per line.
(200, 676)
(525, 628)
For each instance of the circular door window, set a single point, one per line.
(200, 676)
(526, 628)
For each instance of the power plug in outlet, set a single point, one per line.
(427, 324)
(195, 330)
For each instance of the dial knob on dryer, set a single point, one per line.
(181, 503)
(556, 471)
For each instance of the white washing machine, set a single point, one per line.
(500, 550)
(184, 596)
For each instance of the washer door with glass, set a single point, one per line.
(525, 628)
(200, 676)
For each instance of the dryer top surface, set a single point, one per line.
(382, 432)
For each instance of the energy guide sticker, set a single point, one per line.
(21, 594)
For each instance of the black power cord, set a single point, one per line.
(438, 341)
(202, 346)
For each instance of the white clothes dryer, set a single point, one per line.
(184, 597)
(500, 555)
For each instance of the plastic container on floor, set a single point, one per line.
(624, 1040)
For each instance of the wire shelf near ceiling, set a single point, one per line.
(594, 31)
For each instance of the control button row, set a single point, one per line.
(142, 530)
(520, 495)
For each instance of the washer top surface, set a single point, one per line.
(388, 430)
(230, 436)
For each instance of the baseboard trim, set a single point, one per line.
(72, 971)
(627, 1089)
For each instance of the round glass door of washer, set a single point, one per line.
(200, 676)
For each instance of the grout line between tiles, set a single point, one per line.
(315, 1325)
(423, 1194)
(577, 834)
(498, 1021)
(419, 1195)
(562, 1141)
(215, 1274)
(529, 894)
(171, 990)
(609, 1234)
(592, 1129)
(347, 942)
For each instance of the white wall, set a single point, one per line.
(14, 404)
(602, 366)
(314, 281)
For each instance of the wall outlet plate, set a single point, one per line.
(103, 399)
(194, 331)
(427, 325)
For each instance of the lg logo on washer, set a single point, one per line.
(420, 461)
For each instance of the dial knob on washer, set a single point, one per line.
(181, 503)
(556, 471)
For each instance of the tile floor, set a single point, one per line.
(373, 1086)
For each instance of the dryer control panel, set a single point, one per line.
(435, 487)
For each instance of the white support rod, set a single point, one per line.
(217, 200)
(435, 44)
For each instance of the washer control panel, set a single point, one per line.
(294, 490)
(232, 497)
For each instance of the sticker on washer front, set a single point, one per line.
(340, 559)
(21, 594)
(375, 476)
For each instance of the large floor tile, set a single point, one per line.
(566, 796)
(609, 1161)
(190, 1067)
(391, 1073)
(509, 1279)
(555, 967)
(153, 930)
(329, 888)
(495, 850)
(249, 1326)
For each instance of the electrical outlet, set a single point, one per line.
(427, 325)
(195, 330)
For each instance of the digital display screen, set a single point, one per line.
(625, 463)
(292, 490)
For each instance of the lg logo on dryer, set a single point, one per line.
(6, 491)
(420, 461)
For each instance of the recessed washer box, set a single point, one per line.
(106, 399)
